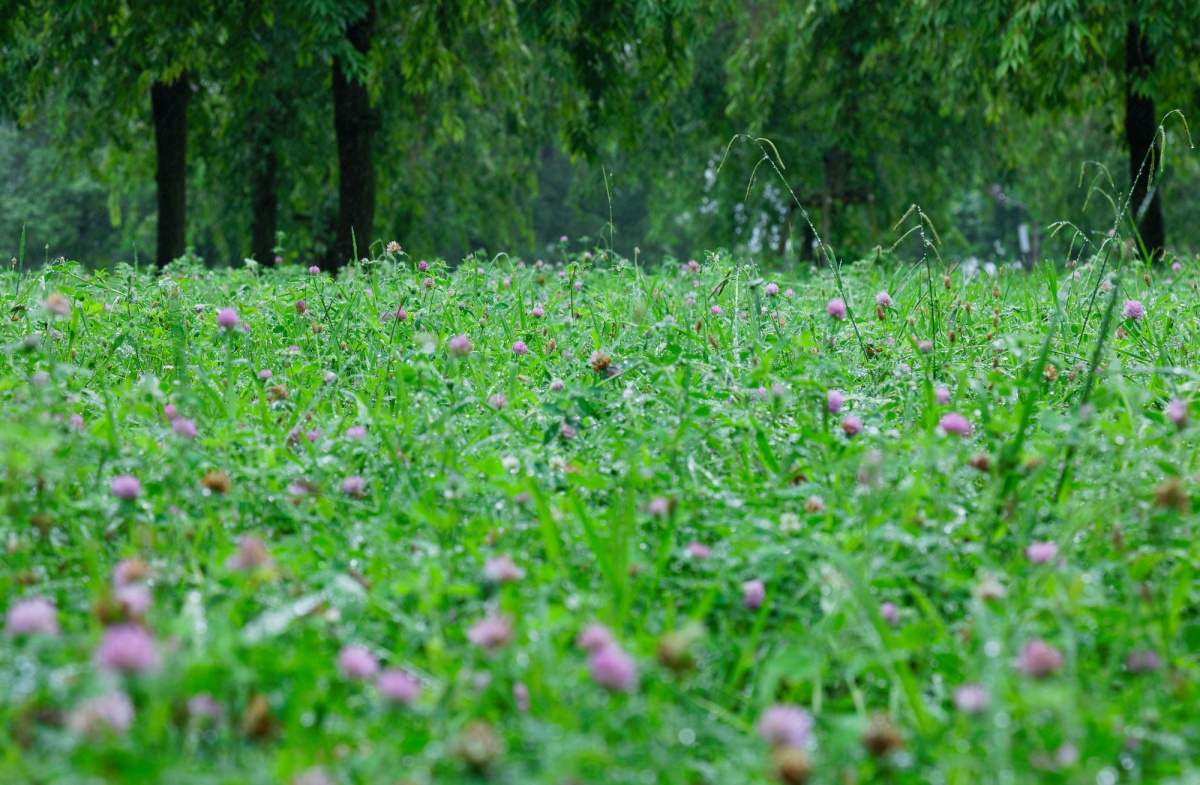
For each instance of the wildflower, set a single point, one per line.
(428, 282)
(699, 551)
(753, 594)
(111, 713)
(716, 310)
(955, 423)
(1143, 661)
(491, 633)
(521, 697)
(1177, 412)
(301, 307)
(558, 385)
(942, 396)
(579, 286)
(971, 699)
(612, 668)
(265, 374)
(519, 348)
(537, 312)
(312, 435)
(833, 401)
(423, 265)
(314, 270)
(1039, 659)
(925, 347)
(568, 432)
(790, 293)
(814, 504)
(356, 662)
(251, 555)
(990, 589)
(127, 648)
(836, 308)
(135, 600)
(689, 301)
(659, 506)
(599, 361)
(502, 569)
(184, 427)
(771, 289)
(330, 377)
(1133, 310)
(460, 345)
(784, 725)
(789, 523)
(77, 421)
(884, 299)
(1041, 552)
(228, 318)
(498, 401)
(890, 613)
(354, 485)
(594, 637)
(852, 425)
(34, 616)
(125, 486)
(401, 315)
(398, 686)
(57, 304)
(130, 571)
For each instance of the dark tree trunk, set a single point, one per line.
(1141, 126)
(264, 205)
(355, 125)
(169, 106)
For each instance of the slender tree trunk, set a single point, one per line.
(355, 124)
(1141, 125)
(168, 104)
(264, 205)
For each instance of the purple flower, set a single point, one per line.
(1177, 412)
(613, 669)
(184, 427)
(558, 385)
(1041, 552)
(112, 713)
(460, 345)
(852, 425)
(34, 616)
(698, 551)
(789, 293)
(521, 697)
(77, 422)
(925, 347)
(884, 299)
(568, 432)
(890, 613)
(356, 432)
(498, 401)
(579, 286)
(659, 506)
(125, 486)
(135, 599)
(428, 283)
(129, 649)
(356, 663)
(401, 315)
(228, 318)
(833, 401)
(953, 422)
(594, 637)
(784, 725)
(1133, 310)
(1039, 659)
(330, 377)
(717, 310)
(130, 571)
(398, 686)
(502, 569)
(491, 633)
(971, 699)
(423, 266)
(314, 270)
(205, 707)
(942, 396)
(753, 594)
(354, 485)
(265, 374)
(836, 308)
(538, 312)
(519, 348)
(1143, 661)
(170, 411)
(771, 289)
(251, 555)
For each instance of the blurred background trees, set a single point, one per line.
(313, 129)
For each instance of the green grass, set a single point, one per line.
(722, 415)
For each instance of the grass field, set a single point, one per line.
(581, 522)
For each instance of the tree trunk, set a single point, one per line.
(264, 205)
(168, 104)
(355, 125)
(1141, 126)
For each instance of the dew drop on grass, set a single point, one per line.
(687, 737)
(992, 648)
(1106, 776)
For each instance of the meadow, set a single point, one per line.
(580, 521)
